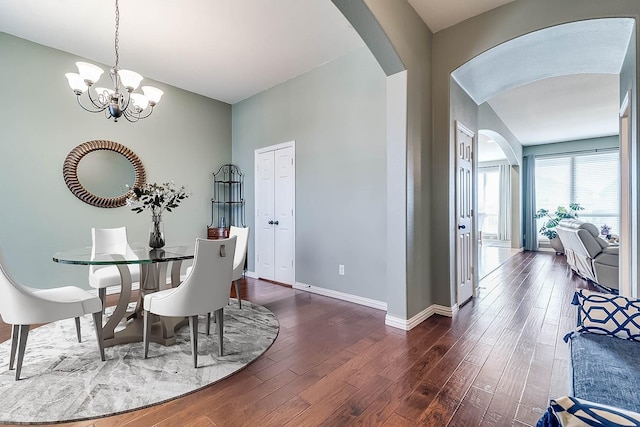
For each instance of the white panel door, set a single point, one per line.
(464, 212)
(284, 222)
(264, 215)
(275, 213)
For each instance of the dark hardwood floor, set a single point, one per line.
(496, 363)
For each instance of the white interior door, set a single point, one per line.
(275, 213)
(284, 224)
(464, 213)
(264, 215)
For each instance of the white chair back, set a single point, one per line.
(15, 297)
(240, 255)
(206, 287)
(108, 240)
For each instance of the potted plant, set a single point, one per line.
(548, 228)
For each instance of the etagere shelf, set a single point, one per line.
(227, 204)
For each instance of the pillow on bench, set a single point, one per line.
(608, 314)
(571, 412)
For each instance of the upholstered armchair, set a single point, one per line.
(587, 254)
(204, 290)
(239, 256)
(22, 306)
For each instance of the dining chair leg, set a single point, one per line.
(237, 283)
(78, 329)
(24, 332)
(193, 326)
(145, 332)
(102, 294)
(208, 323)
(97, 321)
(219, 314)
(14, 345)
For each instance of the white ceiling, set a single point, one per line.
(224, 49)
(554, 85)
(230, 50)
(563, 108)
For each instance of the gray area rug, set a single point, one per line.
(63, 380)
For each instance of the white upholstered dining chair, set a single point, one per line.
(204, 290)
(112, 241)
(22, 306)
(239, 256)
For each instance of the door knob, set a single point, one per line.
(462, 227)
(276, 222)
(270, 222)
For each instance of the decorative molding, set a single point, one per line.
(379, 305)
(408, 324)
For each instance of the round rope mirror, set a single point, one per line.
(70, 172)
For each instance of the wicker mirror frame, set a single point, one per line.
(70, 172)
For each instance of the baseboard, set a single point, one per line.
(341, 296)
(408, 324)
(251, 274)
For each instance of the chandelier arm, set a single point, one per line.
(149, 110)
(96, 103)
(131, 117)
(125, 98)
(87, 109)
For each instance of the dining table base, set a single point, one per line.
(163, 331)
(124, 327)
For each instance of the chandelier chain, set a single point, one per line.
(116, 39)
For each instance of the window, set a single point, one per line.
(590, 179)
(489, 200)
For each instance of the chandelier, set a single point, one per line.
(120, 101)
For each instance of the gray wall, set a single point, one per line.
(489, 120)
(336, 115)
(186, 139)
(456, 45)
(412, 41)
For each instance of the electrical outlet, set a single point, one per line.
(341, 269)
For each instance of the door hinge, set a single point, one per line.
(291, 212)
(291, 161)
(291, 263)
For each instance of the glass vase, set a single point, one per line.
(156, 232)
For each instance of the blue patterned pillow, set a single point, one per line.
(608, 314)
(572, 412)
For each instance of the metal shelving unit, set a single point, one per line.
(227, 204)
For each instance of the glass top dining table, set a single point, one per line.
(153, 277)
(139, 254)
